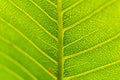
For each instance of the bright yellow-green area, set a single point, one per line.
(59, 39)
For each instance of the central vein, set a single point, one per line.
(60, 41)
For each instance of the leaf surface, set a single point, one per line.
(59, 39)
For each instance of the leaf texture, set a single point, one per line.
(59, 39)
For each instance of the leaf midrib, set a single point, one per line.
(60, 41)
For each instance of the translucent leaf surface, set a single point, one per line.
(60, 39)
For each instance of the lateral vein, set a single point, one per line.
(93, 70)
(19, 65)
(11, 72)
(31, 42)
(43, 11)
(52, 3)
(72, 6)
(26, 54)
(29, 16)
(94, 47)
(90, 15)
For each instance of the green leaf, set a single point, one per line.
(60, 39)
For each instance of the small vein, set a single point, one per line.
(11, 72)
(19, 65)
(43, 11)
(80, 38)
(90, 15)
(32, 19)
(75, 65)
(25, 37)
(93, 70)
(72, 6)
(52, 3)
(26, 54)
(47, 43)
(94, 47)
